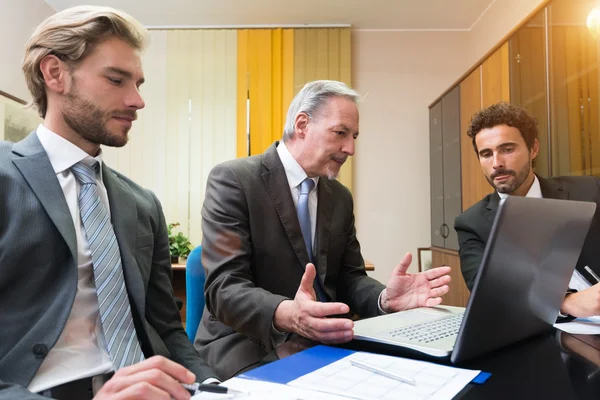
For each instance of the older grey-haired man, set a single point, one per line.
(279, 243)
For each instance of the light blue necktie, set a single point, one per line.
(305, 225)
(115, 310)
(304, 215)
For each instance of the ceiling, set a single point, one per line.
(361, 14)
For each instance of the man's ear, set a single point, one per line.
(55, 73)
(535, 148)
(300, 125)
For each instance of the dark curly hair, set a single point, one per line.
(504, 113)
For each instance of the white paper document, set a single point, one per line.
(433, 381)
(582, 326)
(251, 389)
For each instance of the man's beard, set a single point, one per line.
(512, 184)
(331, 174)
(89, 121)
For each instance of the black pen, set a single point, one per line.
(194, 388)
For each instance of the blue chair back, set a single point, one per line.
(194, 288)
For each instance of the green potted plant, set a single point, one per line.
(179, 244)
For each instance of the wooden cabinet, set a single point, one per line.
(528, 78)
(550, 65)
(574, 90)
(458, 294)
(495, 77)
(444, 122)
(486, 85)
(474, 184)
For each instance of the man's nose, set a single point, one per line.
(498, 161)
(349, 146)
(134, 99)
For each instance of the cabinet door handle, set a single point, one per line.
(445, 230)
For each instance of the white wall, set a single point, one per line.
(399, 74)
(18, 18)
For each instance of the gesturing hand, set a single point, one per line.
(154, 378)
(307, 317)
(405, 291)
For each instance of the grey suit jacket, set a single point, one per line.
(38, 266)
(475, 224)
(254, 256)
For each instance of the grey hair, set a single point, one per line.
(311, 98)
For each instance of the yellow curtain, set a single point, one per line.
(265, 76)
(273, 65)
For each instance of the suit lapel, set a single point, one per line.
(552, 189)
(492, 208)
(33, 162)
(324, 212)
(278, 188)
(123, 212)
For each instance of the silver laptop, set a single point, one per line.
(525, 270)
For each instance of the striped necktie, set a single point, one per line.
(113, 301)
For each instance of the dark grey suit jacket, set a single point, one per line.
(475, 224)
(254, 256)
(38, 266)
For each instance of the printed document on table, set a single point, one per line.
(260, 390)
(583, 326)
(433, 381)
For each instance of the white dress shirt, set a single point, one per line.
(295, 176)
(578, 282)
(81, 349)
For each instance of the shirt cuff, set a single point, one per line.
(211, 380)
(560, 314)
(277, 337)
(381, 312)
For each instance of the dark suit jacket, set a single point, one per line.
(475, 224)
(38, 266)
(254, 256)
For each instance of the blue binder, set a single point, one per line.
(293, 367)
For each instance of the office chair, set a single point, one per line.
(194, 287)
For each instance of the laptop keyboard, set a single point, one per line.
(430, 331)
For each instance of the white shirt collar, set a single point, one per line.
(294, 172)
(534, 191)
(62, 153)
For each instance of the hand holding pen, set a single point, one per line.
(585, 303)
(153, 378)
(195, 388)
